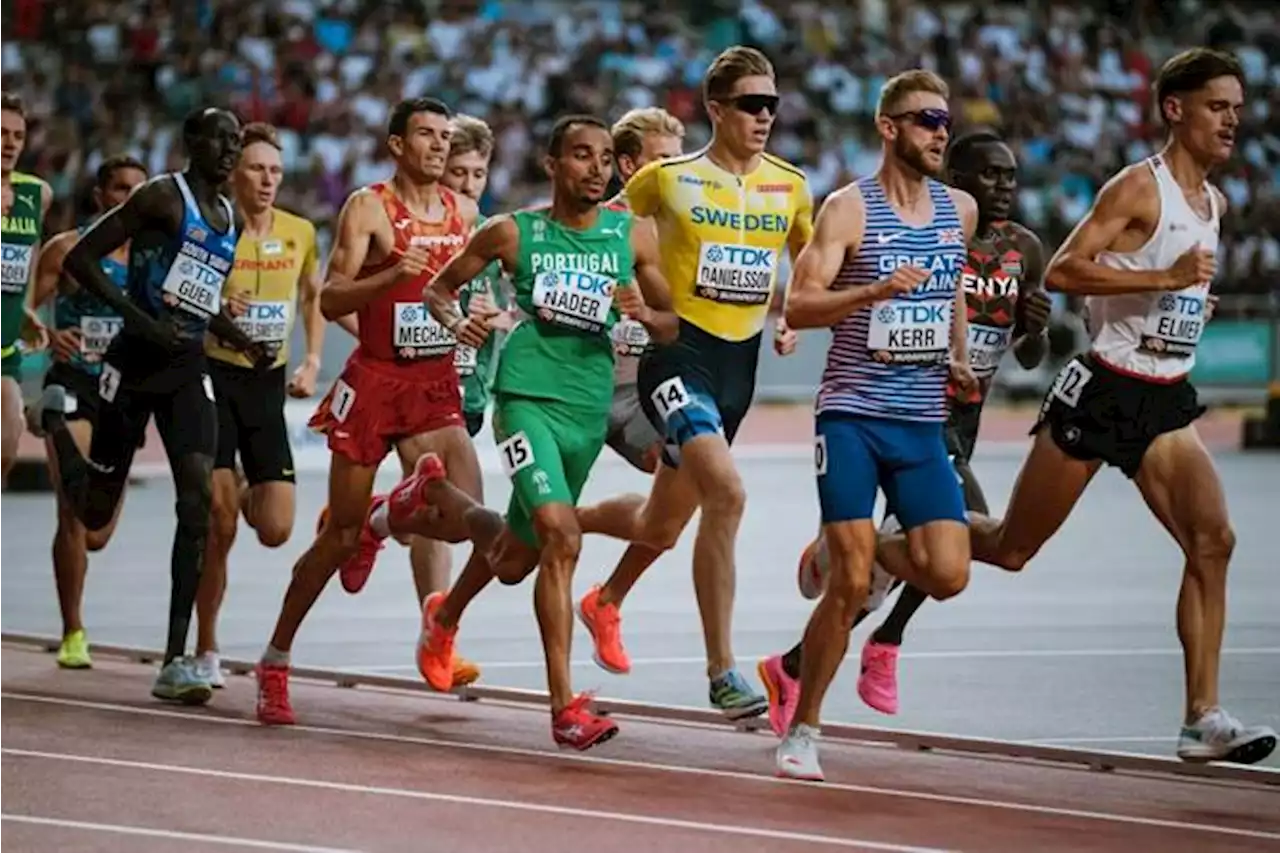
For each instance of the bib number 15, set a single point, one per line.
(516, 453)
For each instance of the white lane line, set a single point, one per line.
(456, 799)
(976, 654)
(1070, 740)
(634, 764)
(173, 835)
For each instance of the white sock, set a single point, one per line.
(380, 521)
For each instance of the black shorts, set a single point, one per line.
(962, 435)
(251, 422)
(698, 385)
(82, 388)
(1096, 413)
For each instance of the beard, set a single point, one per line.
(914, 157)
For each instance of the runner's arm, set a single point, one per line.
(309, 286)
(1074, 268)
(225, 329)
(658, 318)
(1030, 349)
(155, 202)
(342, 294)
(49, 267)
(967, 208)
(497, 239)
(811, 303)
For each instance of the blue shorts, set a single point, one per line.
(855, 456)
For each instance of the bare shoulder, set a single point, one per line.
(1025, 236)
(1134, 187)
(1223, 202)
(966, 205)
(467, 207)
(845, 201)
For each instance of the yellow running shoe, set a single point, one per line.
(74, 651)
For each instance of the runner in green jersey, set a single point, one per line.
(26, 201)
(573, 267)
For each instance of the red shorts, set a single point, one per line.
(376, 403)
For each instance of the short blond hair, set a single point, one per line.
(629, 131)
(896, 89)
(470, 134)
(732, 65)
(260, 131)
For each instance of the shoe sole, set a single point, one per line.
(870, 703)
(603, 737)
(773, 693)
(800, 777)
(87, 664)
(1252, 752)
(595, 655)
(192, 696)
(744, 712)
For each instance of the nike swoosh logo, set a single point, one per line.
(889, 238)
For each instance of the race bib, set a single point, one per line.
(904, 331)
(96, 334)
(670, 397)
(1174, 324)
(266, 322)
(742, 275)
(576, 300)
(464, 360)
(15, 266)
(987, 346)
(1070, 382)
(630, 338)
(418, 334)
(194, 281)
(516, 453)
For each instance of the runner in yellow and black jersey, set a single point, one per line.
(274, 282)
(724, 217)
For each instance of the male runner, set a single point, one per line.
(722, 215)
(1007, 309)
(26, 201)
(84, 327)
(883, 270)
(275, 269)
(1144, 256)
(399, 388)
(568, 263)
(182, 238)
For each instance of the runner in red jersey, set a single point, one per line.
(399, 388)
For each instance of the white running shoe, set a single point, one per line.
(797, 755)
(815, 568)
(209, 667)
(1218, 736)
(881, 581)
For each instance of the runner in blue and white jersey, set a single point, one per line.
(883, 271)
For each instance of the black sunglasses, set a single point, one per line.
(753, 104)
(930, 119)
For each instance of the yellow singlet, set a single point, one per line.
(721, 235)
(270, 268)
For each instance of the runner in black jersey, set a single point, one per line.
(182, 238)
(1008, 309)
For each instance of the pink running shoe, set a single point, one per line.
(783, 692)
(355, 570)
(878, 681)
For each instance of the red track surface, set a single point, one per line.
(98, 760)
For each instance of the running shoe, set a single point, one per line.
(209, 665)
(878, 680)
(576, 727)
(435, 646)
(410, 495)
(783, 692)
(464, 672)
(735, 697)
(1218, 736)
(604, 623)
(355, 570)
(811, 574)
(273, 707)
(179, 681)
(53, 399)
(74, 651)
(797, 755)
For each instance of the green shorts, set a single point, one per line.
(12, 363)
(547, 449)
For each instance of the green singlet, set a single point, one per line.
(20, 231)
(555, 377)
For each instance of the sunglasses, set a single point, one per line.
(753, 104)
(930, 119)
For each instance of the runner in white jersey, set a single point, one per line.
(883, 270)
(1144, 258)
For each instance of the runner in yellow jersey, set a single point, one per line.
(724, 217)
(275, 275)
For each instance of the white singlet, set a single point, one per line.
(1154, 335)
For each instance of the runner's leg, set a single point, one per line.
(12, 422)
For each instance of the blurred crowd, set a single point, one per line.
(1066, 82)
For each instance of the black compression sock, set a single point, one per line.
(791, 661)
(890, 631)
(188, 551)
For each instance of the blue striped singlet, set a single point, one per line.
(889, 359)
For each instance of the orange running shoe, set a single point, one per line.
(435, 646)
(576, 727)
(604, 623)
(464, 672)
(273, 695)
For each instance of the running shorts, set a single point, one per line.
(630, 434)
(374, 404)
(698, 385)
(547, 449)
(1094, 412)
(251, 422)
(82, 391)
(855, 456)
